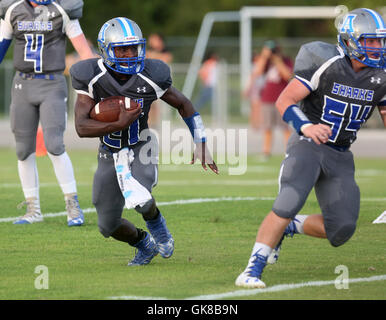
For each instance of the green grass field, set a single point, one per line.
(213, 239)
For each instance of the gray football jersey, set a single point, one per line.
(39, 34)
(340, 97)
(91, 77)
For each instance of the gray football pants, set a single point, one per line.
(107, 197)
(34, 100)
(331, 173)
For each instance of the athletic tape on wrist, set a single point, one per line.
(295, 118)
(196, 127)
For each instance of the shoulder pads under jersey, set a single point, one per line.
(74, 8)
(4, 5)
(158, 71)
(317, 52)
(85, 70)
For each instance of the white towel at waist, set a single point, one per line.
(134, 193)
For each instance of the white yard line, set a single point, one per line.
(182, 202)
(168, 203)
(236, 182)
(252, 292)
(231, 294)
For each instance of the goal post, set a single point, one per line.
(202, 41)
(278, 12)
(244, 16)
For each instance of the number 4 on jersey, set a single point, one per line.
(334, 111)
(34, 50)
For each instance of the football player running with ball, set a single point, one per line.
(39, 92)
(125, 175)
(335, 90)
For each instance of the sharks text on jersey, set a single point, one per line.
(353, 93)
(34, 25)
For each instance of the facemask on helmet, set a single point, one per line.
(362, 36)
(122, 32)
(42, 1)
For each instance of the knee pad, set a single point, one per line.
(107, 229)
(341, 235)
(24, 148)
(107, 224)
(289, 202)
(149, 210)
(104, 232)
(54, 141)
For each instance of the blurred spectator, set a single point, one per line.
(252, 93)
(156, 49)
(277, 71)
(208, 77)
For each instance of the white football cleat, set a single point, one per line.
(33, 213)
(251, 276)
(274, 256)
(381, 218)
(247, 281)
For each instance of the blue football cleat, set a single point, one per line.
(161, 235)
(29, 218)
(75, 215)
(147, 250)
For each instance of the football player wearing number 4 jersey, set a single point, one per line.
(335, 90)
(39, 92)
(127, 161)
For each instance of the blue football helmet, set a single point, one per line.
(120, 32)
(42, 1)
(363, 24)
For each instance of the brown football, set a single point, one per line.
(107, 110)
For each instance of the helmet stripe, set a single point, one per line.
(378, 19)
(103, 32)
(131, 27)
(121, 22)
(126, 26)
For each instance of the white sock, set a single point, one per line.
(262, 248)
(64, 172)
(68, 196)
(29, 178)
(299, 222)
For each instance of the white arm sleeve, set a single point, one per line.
(6, 30)
(73, 29)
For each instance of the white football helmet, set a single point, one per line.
(122, 32)
(363, 24)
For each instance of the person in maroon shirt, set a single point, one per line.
(277, 71)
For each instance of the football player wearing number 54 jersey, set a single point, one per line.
(39, 91)
(335, 90)
(126, 171)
